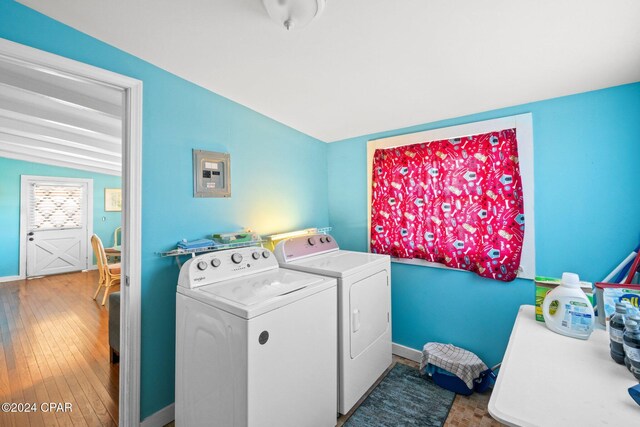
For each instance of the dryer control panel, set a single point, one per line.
(224, 265)
(301, 247)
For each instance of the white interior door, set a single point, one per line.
(58, 212)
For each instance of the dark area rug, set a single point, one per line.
(404, 398)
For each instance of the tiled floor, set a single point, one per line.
(471, 411)
(467, 411)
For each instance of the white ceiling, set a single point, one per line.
(372, 65)
(47, 117)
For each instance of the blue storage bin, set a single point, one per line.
(450, 381)
(486, 380)
(460, 360)
(446, 379)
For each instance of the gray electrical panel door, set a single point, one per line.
(211, 174)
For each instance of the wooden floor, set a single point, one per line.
(54, 347)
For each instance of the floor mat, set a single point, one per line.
(403, 398)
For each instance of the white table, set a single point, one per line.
(547, 379)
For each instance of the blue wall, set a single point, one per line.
(10, 171)
(587, 158)
(278, 176)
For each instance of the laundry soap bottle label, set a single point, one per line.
(577, 316)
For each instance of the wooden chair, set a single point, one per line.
(114, 252)
(109, 273)
(117, 234)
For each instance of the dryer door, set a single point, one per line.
(369, 301)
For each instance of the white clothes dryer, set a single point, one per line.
(255, 344)
(364, 308)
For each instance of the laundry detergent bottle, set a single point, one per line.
(567, 310)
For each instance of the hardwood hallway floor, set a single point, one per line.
(54, 347)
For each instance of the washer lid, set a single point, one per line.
(337, 264)
(250, 296)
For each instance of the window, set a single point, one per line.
(454, 197)
(56, 207)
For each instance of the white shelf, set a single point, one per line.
(547, 379)
(217, 247)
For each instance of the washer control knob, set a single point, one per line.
(236, 258)
(255, 255)
(322, 240)
(202, 265)
(311, 240)
(266, 254)
(328, 239)
(215, 262)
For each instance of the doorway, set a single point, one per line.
(58, 223)
(129, 91)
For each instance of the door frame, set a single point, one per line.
(25, 180)
(131, 289)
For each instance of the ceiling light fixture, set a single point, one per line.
(294, 14)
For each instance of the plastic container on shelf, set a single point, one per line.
(608, 294)
(567, 310)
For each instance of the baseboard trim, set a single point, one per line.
(406, 352)
(161, 418)
(18, 277)
(10, 278)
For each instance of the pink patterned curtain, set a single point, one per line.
(456, 202)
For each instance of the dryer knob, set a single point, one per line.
(266, 254)
(215, 262)
(328, 239)
(255, 255)
(322, 240)
(202, 265)
(236, 258)
(311, 240)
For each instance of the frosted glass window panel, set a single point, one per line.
(56, 207)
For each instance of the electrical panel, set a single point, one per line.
(211, 174)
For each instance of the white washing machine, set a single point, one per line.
(364, 307)
(255, 344)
